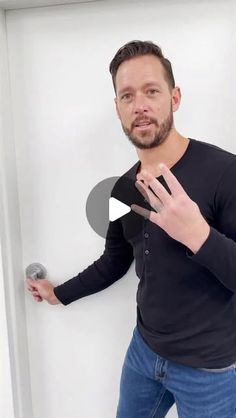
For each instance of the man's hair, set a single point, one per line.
(139, 48)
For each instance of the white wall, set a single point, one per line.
(67, 138)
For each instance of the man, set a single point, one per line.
(183, 349)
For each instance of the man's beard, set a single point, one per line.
(160, 136)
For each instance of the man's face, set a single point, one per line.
(144, 101)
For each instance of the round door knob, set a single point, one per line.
(35, 271)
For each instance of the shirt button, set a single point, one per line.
(146, 235)
(146, 252)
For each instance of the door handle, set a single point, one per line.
(36, 271)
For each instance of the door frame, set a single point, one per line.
(14, 349)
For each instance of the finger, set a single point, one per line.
(31, 283)
(38, 298)
(150, 197)
(141, 211)
(35, 293)
(157, 187)
(147, 214)
(174, 185)
(142, 188)
(30, 288)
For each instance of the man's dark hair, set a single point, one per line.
(138, 48)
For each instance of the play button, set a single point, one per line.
(109, 205)
(117, 209)
(110, 202)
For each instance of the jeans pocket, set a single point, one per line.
(221, 370)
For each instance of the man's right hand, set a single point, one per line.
(41, 290)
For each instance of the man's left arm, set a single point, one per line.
(181, 218)
(218, 252)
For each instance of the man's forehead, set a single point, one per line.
(142, 62)
(144, 69)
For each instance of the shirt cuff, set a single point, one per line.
(208, 248)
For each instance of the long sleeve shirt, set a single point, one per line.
(186, 302)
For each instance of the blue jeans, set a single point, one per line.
(150, 385)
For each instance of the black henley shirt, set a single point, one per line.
(186, 303)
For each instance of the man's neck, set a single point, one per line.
(169, 152)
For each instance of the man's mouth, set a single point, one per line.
(142, 124)
(139, 123)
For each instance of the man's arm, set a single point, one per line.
(110, 267)
(180, 217)
(218, 252)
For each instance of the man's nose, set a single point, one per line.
(140, 104)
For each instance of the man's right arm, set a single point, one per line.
(110, 267)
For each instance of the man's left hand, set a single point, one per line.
(176, 214)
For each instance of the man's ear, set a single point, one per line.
(117, 109)
(176, 98)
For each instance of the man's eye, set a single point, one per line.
(152, 92)
(126, 97)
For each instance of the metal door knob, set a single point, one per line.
(36, 271)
